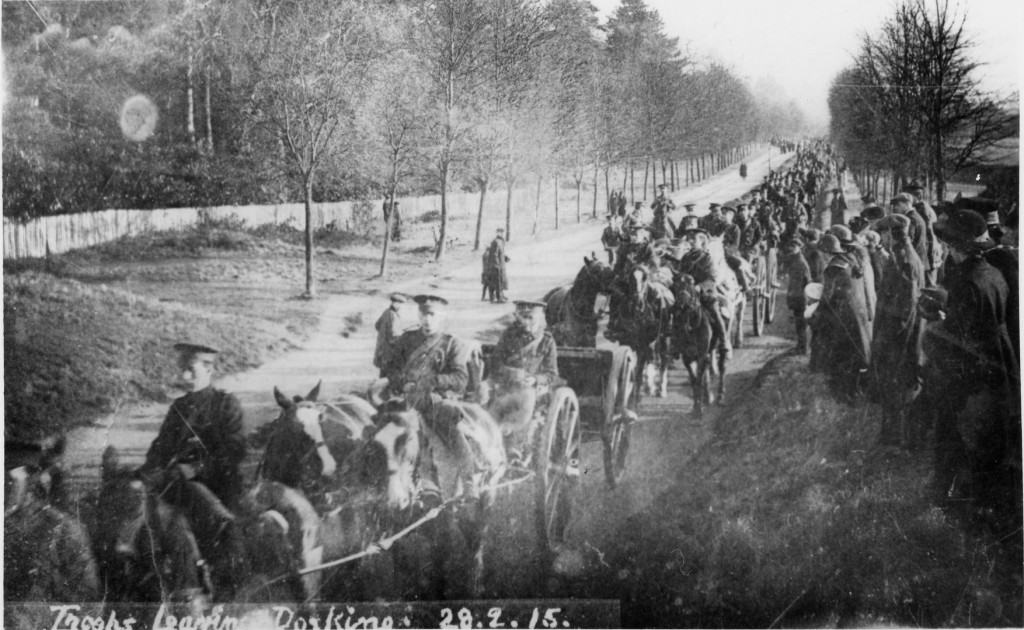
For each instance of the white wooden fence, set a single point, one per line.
(61, 233)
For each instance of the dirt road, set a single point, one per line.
(340, 353)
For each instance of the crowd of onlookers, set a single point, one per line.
(914, 306)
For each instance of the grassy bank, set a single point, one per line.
(790, 516)
(74, 351)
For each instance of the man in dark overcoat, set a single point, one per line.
(973, 376)
(896, 349)
(841, 342)
(494, 274)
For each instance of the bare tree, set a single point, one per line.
(311, 63)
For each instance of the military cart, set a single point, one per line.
(593, 400)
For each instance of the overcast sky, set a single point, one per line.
(803, 44)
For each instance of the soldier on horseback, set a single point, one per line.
(523, 368)
(194, 462)
(431, 369)
(698, 263)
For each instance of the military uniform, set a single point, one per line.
(203, 431)
(522, 369)
(436, 364)
(973, 382)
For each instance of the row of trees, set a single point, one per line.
(276, 100)
(910, 106)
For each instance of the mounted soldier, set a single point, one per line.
(698, 263)
(194, 462)
(705, 222)
(523, 368)
(429, 367)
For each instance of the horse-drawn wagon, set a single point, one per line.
(593, 400)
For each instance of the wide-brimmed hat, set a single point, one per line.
(962, 226)
(872, 212)
(898, 222)
(841, 232)
(829, 244)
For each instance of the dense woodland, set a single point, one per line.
(264, 101)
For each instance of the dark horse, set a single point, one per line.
(147, 551)
(641, 314)
(692, 341)
(570, 309)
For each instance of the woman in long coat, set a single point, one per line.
(896, 350)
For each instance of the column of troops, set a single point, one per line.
(912, 306)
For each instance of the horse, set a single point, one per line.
(47, 553)
(375, 488)
(692, 341)
(641, 318)
(730, 301)
(570, 309)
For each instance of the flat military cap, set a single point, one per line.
(741, 206)
(638, 204)
(194, 348)
(400, 298)
(904, 198)
(913, 186)
(714, 205)
(528, 305)
(728, 209)
(690, 205)
(691, 224)
(424, 300)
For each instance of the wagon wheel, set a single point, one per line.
(557, 467)
(619, 417)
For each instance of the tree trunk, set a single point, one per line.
(508, 211)
(647, 169)
(308, 198)
(633, 196)
(556, 202)
(444, 213)
(625, 179)
(579, 200)
(480, 214)
(392, 217)
(595, 191)
(536, 206)
(209, 110)
(190, 93)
